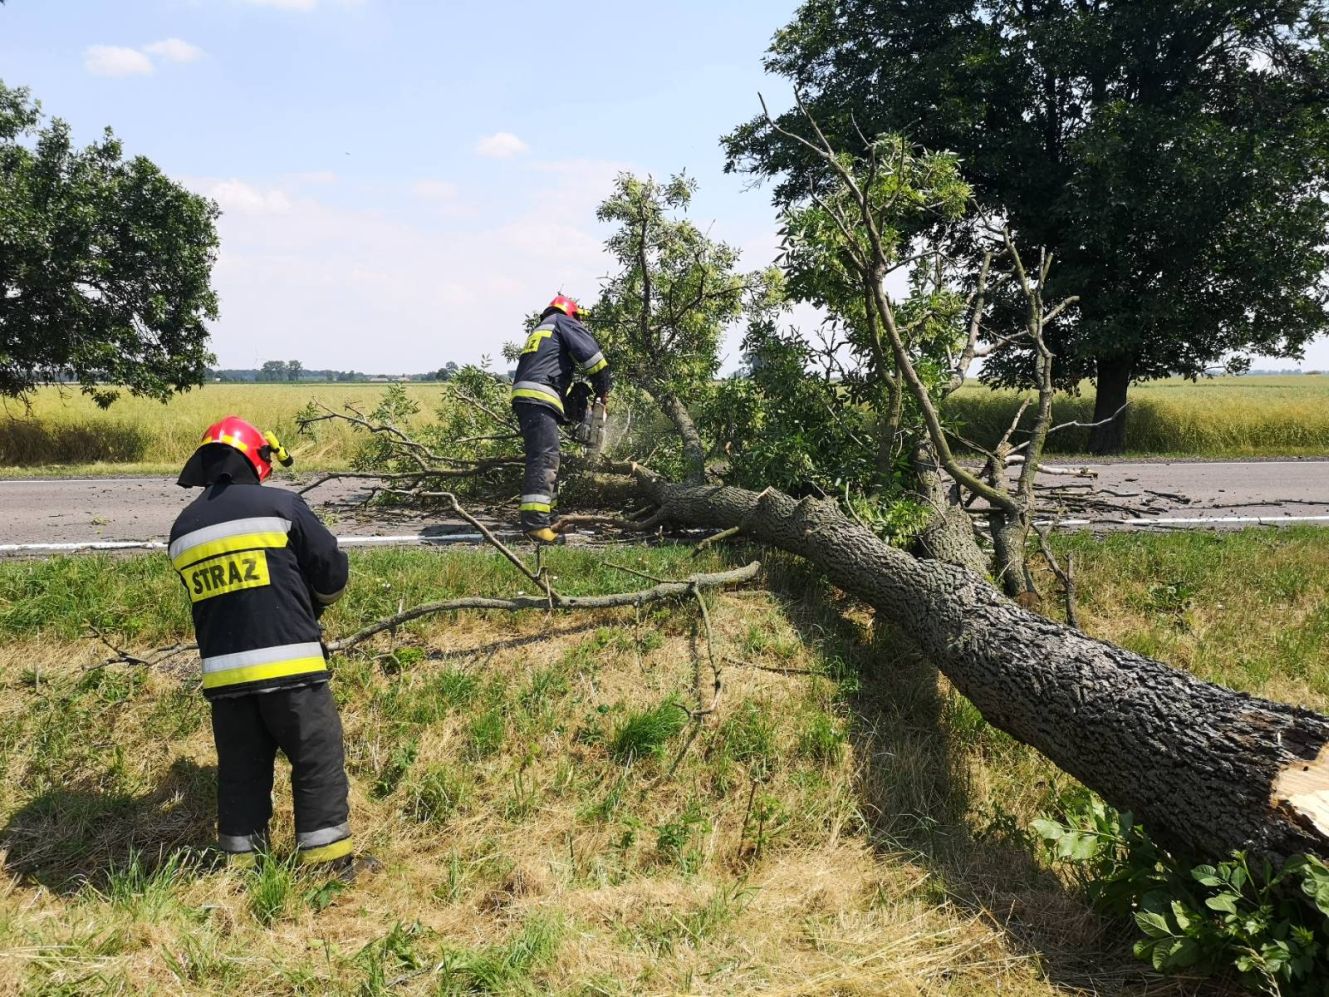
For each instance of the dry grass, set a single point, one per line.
(520, 855)
(845, 823)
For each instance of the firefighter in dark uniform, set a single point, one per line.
(260, 568)
(558, 349)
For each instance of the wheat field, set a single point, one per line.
(61, 427)
(61, 431)
(1256, 416)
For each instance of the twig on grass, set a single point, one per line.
(665, 590)
(123, 657)
(714, 538)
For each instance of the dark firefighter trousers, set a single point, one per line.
(539, 487)
(304, 724)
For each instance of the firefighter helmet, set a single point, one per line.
(259, 448)
(562, 303)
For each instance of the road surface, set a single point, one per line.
(53, 514)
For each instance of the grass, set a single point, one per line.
(62, 431)
(1264, 416)
(1246, 609)
(550, 818)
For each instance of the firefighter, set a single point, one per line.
(260, 569)
(558, 349)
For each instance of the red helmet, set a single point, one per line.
(566, 305)
(259, 448)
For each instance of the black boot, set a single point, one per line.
(348, 867)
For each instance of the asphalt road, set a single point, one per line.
(52, 514)
(108, 513)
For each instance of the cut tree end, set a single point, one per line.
(1303, 788)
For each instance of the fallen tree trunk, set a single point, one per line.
(1199, 765)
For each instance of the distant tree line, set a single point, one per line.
(292, 371)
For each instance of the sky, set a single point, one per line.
(403, 181)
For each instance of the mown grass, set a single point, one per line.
(550, 818)
(1265, 416)
(63, 431)
(1247, 609)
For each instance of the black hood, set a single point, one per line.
(214, 461)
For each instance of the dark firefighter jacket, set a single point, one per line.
(256, 563)
(558, 348)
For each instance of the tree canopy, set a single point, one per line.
(1172, 156)
(105, 263)
(662, 314)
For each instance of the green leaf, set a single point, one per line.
(1182, 915)
(1185, 952)
(1226, 902)
(1153, 925)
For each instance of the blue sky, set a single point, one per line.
(403, 181)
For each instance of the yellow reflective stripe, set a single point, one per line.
(263, 673)
(534, 507)
(228, 545)
(540, 396)
(597, 368)
(326, 853)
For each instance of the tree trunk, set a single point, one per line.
(1200, 765)
(1010, 536)
(694, 453)
(949, 535)
(1111, 385)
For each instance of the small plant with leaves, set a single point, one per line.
(1266, 925)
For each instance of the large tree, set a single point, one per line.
(105, 264)
(1172, 155)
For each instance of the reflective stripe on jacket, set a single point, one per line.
(258, 566)
(556, 350)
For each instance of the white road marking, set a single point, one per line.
(157, 545)
(1186, 521)
(1274, 520)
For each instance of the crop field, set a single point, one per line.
(1257, 416)
(550, 818)
(63, 432)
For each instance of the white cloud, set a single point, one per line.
(380, 285)
(174, 50)
(241, 198)
(434, 190)
(500, 145)
(113, 60)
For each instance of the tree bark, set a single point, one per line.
(949, 535)
(694, 453)
(1111, 385)
(1010, 535)
(1201, 766)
